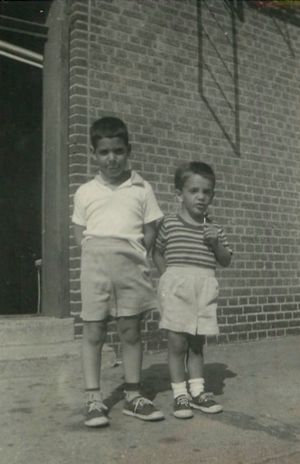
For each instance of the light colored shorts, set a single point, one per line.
(115, 280)
(188, 300)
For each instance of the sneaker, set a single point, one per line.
(142, 408)
(182, 407)
(205, 403)
(96, 414)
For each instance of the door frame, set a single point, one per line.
(55, 195)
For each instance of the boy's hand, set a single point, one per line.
(211, 235)
(211, 239)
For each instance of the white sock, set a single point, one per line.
(93, 395)
(196, 386)
(130, 395)
(179, 388)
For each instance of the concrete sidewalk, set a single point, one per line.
(257, 383)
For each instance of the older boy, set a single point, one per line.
(114, 219)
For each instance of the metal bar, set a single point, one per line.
(217, 52)
(19, 58)
(22, 31)
(21, 51)
(24, 21)
(217, 22)
(219, 86)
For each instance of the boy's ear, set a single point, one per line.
(178, 194)
(128, 149)
(92, 152)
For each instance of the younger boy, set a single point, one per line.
(114, 219)
(188, 246)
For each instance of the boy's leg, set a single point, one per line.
(195, 366)
(195, 356)
(130, 336)
(94, 334)
(177, 349)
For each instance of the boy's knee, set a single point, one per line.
(130, 335)
(177, 344)
(94, 333)
(196, 344)
(129, 331)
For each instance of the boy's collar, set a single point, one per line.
(134, 179)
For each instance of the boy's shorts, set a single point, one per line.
(188, 300)
(115, 280)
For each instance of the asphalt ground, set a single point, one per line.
(258, 384)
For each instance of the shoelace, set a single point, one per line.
(140, 401)
(207, 396)
(96, 406)
(182, 400)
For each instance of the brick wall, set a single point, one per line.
(198, 81)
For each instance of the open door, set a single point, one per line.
(21, 116)
(34, 184)
(20, 185)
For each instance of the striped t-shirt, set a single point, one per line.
(182, 244)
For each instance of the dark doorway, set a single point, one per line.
(34, 188)
(21, 116)
(20, 185)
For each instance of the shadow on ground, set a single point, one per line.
(155, 379)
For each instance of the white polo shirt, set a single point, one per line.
(118, 213)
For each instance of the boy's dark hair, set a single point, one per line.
(184, 171)
(109, 127)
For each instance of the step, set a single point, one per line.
(17, 361)
(41, 343)
(35, 330)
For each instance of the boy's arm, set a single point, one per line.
(222, 254)
(149, 235)
(159, 261)
(78, 233)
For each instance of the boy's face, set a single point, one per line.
(111, 155)
(195, 196)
